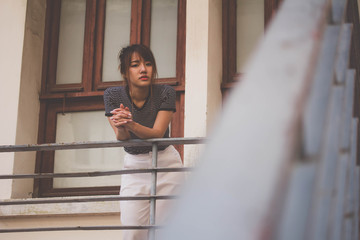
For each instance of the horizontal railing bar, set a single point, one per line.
(83, 199)
(99, 144)
(86, 228)
(94, 174)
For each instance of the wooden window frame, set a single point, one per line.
(53, 17)
(140, 33)
(88, 95)
(93, 45)
(44, 187)
(230, 75)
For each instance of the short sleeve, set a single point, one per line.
(168, 99)
(110, 101)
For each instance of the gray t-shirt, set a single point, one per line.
(162, 98)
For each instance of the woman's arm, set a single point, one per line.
(162, 122)
(120, 132)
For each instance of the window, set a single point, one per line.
(244, 22)
(82, 41)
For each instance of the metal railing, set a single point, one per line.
(153, 197)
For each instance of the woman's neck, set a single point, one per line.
(139, 94)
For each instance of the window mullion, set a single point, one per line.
(135, 29)
(54, 42)
(99, 49)
(146, 22)
(89, 43)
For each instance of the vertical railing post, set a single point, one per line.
(153, 190)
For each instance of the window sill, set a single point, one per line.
(59, 209)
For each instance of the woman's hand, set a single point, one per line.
(122, 122)
(121, 116)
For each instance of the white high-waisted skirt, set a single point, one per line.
(137, 212)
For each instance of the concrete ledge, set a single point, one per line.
(59, 209)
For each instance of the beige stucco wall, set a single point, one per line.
(12, 25)
(20, 64)
(62, 221)
(203, 70)
(29, 105)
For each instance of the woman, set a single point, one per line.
(142, 110)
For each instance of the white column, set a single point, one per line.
(203, 70)
(12, 25)
(29, 105)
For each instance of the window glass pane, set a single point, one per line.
(117, 36)
(163, 36)
(86, 126)
(250, 28)
(71, 41)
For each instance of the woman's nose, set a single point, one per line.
(142, 67)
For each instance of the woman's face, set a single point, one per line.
(140, 72)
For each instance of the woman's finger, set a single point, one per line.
(123, 115)
(122, 123)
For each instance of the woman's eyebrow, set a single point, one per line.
(135, 61)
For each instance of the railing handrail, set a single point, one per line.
(81, 199)
(99, 144)
(79, 228)
(93, 174)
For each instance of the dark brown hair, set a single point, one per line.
(125, 59)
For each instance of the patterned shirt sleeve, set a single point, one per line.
(109, 101)
(168, 99)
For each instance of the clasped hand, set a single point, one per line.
(121, 116)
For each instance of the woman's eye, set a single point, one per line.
(134, 65)
(148, 64)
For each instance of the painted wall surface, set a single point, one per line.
(214, 95)
(203, 71)
(62, 221)
(12, 25)
(29, 105)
